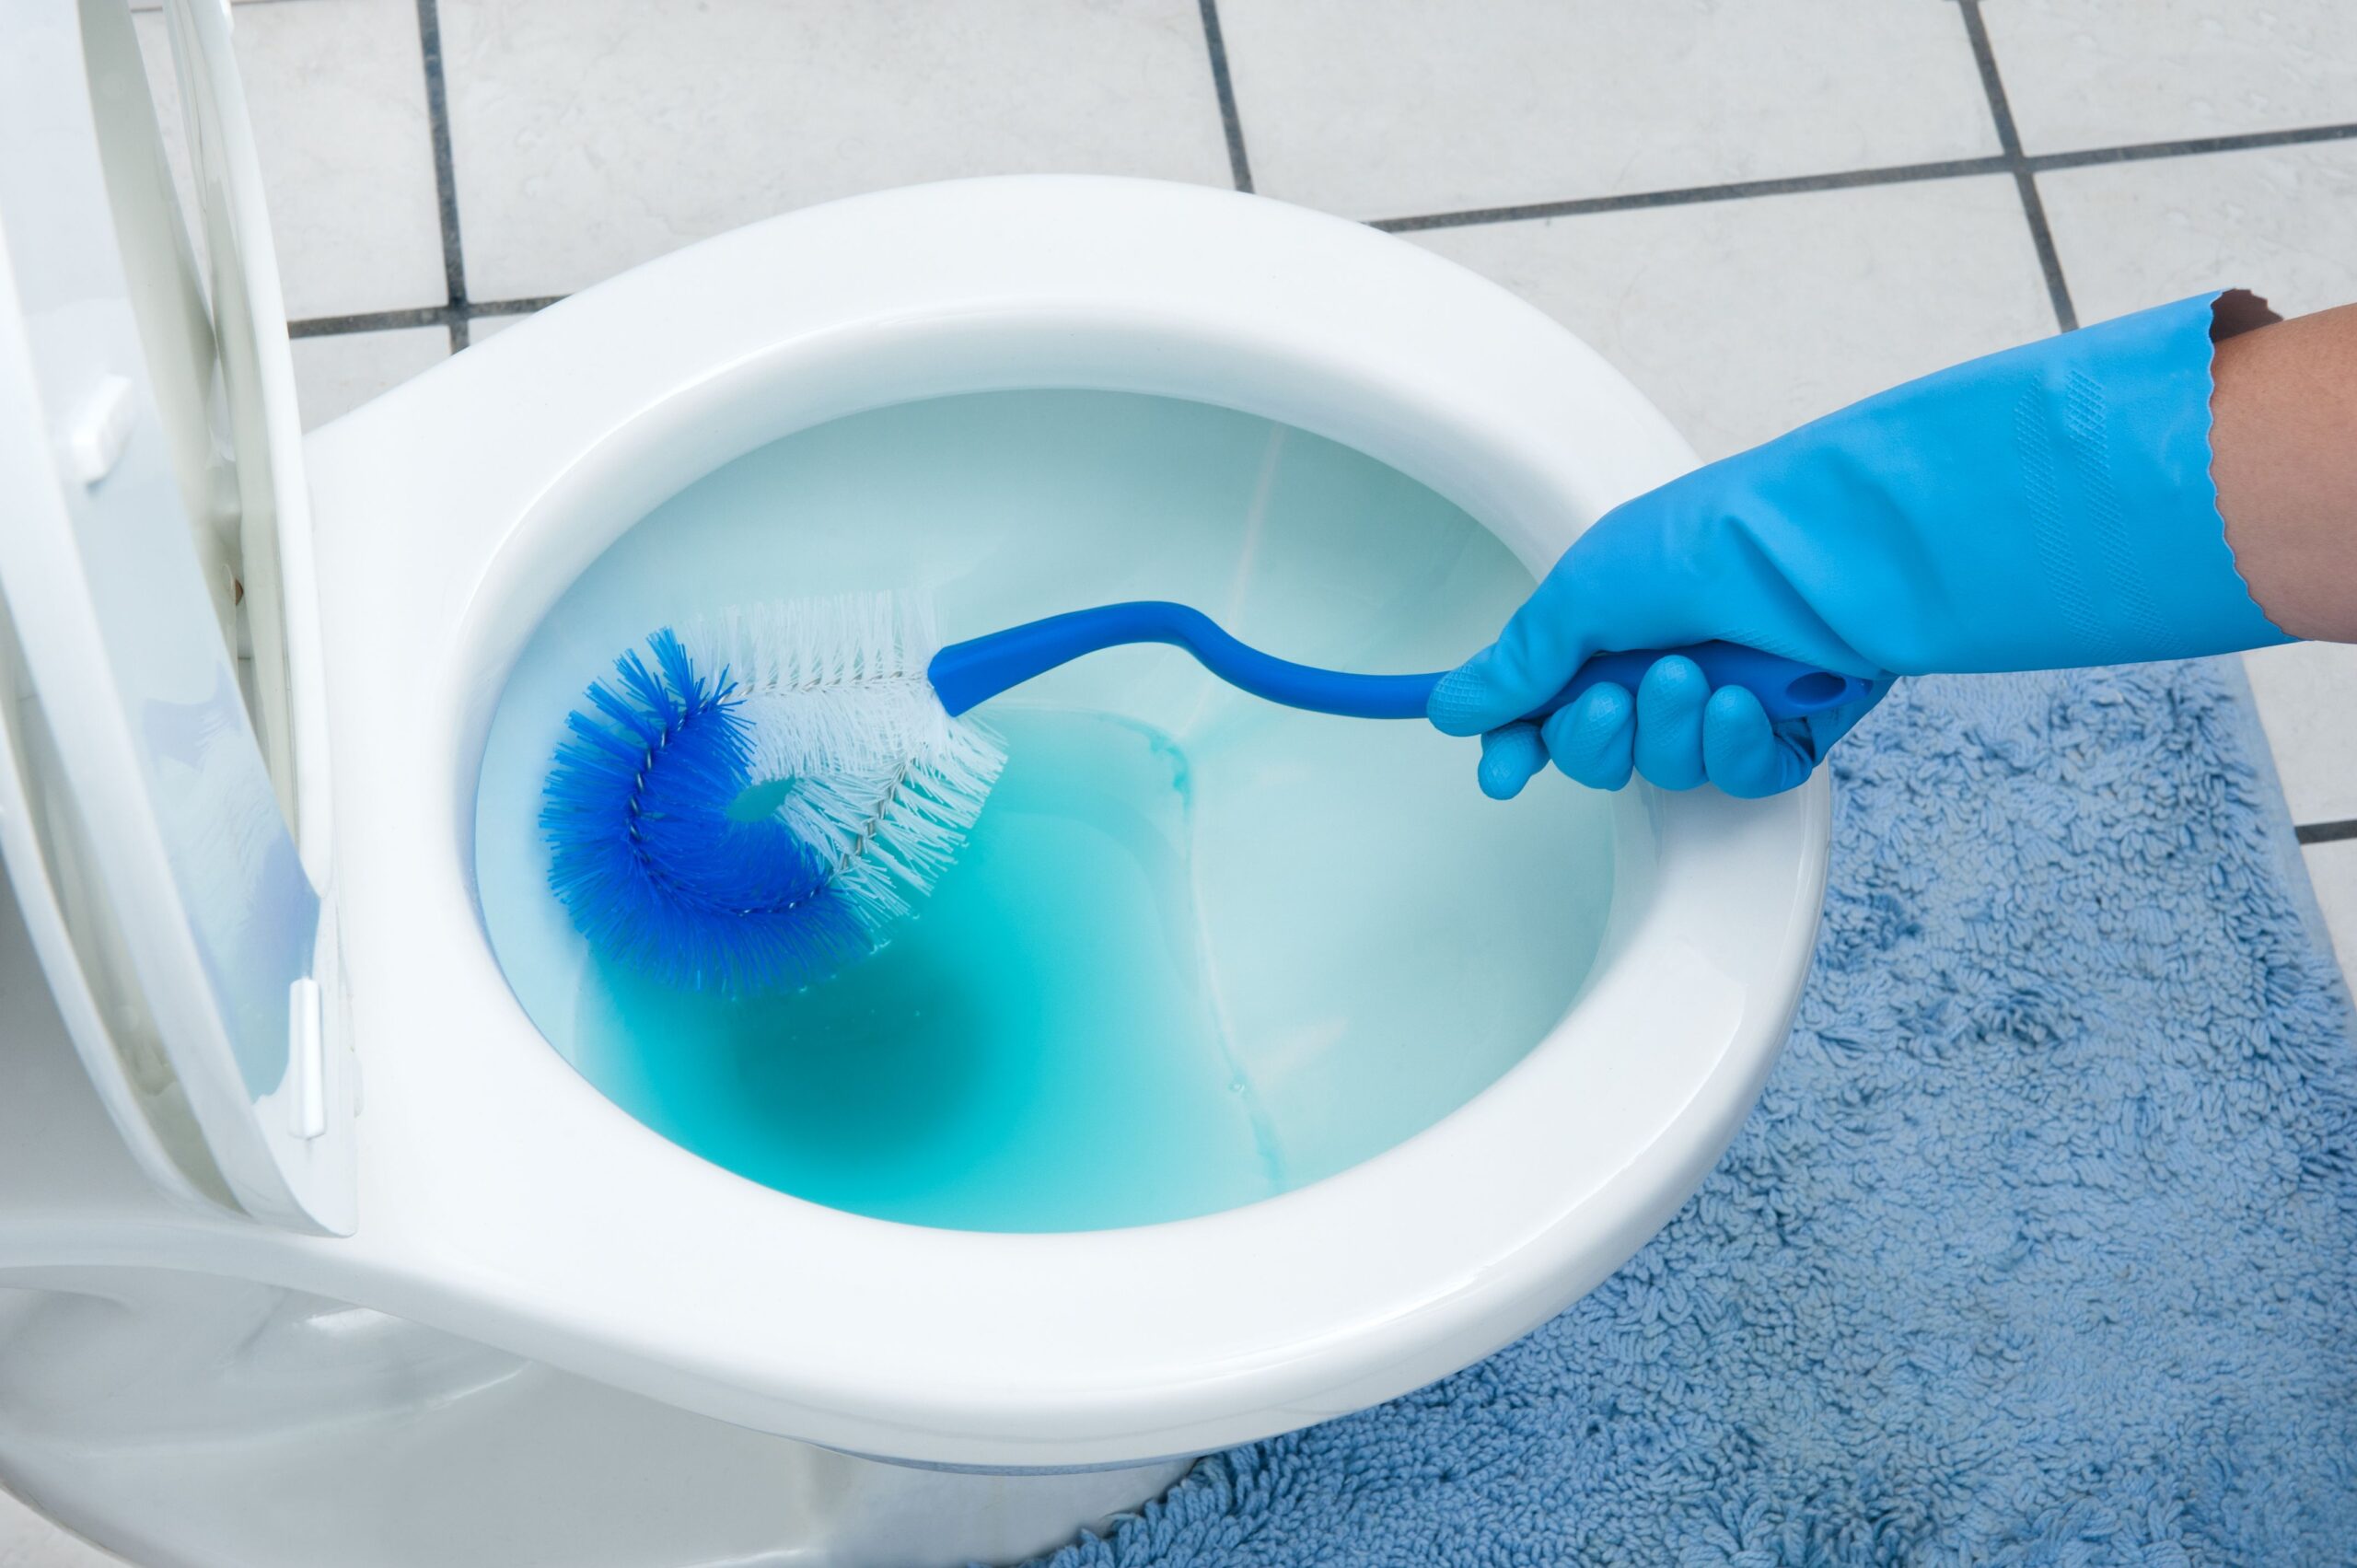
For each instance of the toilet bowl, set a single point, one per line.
(294, 1171)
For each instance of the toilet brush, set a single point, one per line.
(750, 807)
(971, 672)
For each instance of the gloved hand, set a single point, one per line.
(2044, 508)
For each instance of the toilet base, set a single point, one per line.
(183, 1422)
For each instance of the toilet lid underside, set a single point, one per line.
(165, 756)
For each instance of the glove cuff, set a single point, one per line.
(2044, 508)
(2113, 442)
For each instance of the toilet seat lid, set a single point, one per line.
(163, 794)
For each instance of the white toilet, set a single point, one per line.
(313, 1249)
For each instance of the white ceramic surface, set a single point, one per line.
(610, 402)
(30, 1540)
(195, 1420)
(1380, 109)
(508, 1203)
(509, 1207)
(1743, 319)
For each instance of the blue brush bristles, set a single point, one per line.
(665, 850)
(646, 854)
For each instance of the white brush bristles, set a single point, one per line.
(874, 770)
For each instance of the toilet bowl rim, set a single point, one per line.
(1185, 1395)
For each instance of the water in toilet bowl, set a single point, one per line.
(1198, 950)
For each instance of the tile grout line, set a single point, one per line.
(1887, 174)
(371, 322)
(420, 315)
(2325, 832)
(1890, 174)
(477, 309)
(1581, 206)
(1240, 167)
(446, 179)
(2009, 142)
(2191, 147)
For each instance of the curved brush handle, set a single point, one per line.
(980, 668)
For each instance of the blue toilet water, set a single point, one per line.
(1198, 950)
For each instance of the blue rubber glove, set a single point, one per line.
(2045, 507)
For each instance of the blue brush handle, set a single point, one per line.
(980, 668)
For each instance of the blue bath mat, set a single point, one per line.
(2041, 1247)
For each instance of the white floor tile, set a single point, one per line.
(483, 327)
(594, 134)
(335, 374)
(2308, 701)
(2095, 73)
(1379, 109)
(28, 1540)
(1744, 318)
(337, 93)
(2332, 870)
(2279, 220)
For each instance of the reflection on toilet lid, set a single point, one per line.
(163, 794)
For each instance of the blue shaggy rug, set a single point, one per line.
(2040, 1249)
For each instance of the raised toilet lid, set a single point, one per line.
(163, 790)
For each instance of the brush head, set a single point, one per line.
(750, 804)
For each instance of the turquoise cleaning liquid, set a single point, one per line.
(1198, 950)
(1041, 1043)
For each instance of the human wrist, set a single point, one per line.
(2284, 459)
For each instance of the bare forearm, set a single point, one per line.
(2284, 456)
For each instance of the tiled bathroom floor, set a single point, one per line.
(1759, 211)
